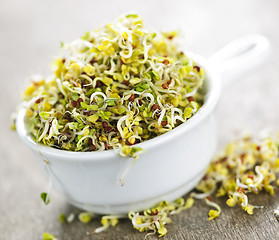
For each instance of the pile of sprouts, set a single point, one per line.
(245, 166)
(112, 88)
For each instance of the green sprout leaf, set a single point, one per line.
(13, 126)
(93, 107)
(135, 150)
(79, 119)
(154, 75)
(111, 101)
(85, 217)
(141, 87)
(88, 94)
(45, 198)
(83, 105)
(48, 236)
(107, 115)
(75, 96)
(62, 218)
(86, 36)
(132, 15)
(45, 115)
(104, 115)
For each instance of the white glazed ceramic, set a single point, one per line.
(172, 164)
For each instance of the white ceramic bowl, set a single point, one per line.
(172, 164)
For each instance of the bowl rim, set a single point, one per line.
(211, 99)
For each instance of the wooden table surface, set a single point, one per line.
(30, 34)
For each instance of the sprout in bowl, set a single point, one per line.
(115, 88)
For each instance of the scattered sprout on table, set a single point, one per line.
(48, 236)
(107, 221)
(62, 218)
(153, 219)
(85, 217)
(66, 219)
(276, 214)
(116, 86)
(71, 218)
(244, 166)
(156, 218)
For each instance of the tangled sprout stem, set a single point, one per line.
(114, 87)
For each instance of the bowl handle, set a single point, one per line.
(240, 56)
